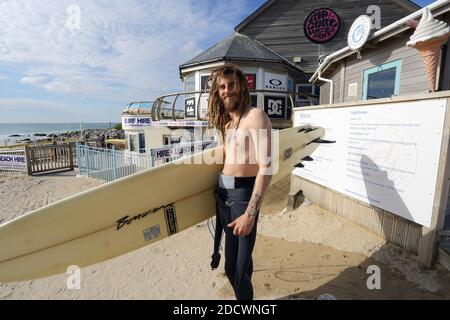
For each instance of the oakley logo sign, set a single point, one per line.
(275, 82)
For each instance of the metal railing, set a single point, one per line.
(171, 107)
(163, 102)
(110, 164)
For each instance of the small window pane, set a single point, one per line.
(134, 144)
(141, 142)
(189, 84)
(381, 84)
(204, 85)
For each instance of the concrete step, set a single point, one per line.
(444, 253)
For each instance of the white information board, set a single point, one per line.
(386, 155)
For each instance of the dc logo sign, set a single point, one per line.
(275, 107)
(189, 108)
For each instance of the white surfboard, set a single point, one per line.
(126, 214)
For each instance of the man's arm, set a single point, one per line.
(261, 135)
(262, 139)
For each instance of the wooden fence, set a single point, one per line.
(48, 158)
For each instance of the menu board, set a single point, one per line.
(386, 155)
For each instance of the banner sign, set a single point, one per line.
(136, 122)
(13, 162)
(251, 79)
(176, 151)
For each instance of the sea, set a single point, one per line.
(27, 130)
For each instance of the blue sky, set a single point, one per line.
(84, 60)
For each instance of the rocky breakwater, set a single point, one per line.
(99, 135)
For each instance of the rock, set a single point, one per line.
(39, 135)
(15, 135)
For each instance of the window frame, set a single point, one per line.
(397, 64)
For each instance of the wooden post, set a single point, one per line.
(430, 238)
(27, 156)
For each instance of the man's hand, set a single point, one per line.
(242, 225)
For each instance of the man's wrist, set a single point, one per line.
(251, 214)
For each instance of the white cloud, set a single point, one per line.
(122, 49)
(33, 80)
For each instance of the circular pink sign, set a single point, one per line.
(321, 25)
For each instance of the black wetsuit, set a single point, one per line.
(231, 202)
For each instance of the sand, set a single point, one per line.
(298, 255)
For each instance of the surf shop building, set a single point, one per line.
(389, 169)
(278, 46)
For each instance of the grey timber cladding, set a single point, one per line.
(413, 78)
(280, 26)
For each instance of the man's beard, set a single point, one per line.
(232, 104)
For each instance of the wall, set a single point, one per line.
(280, 26)
(413, 76)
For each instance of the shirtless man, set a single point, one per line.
(245, 177)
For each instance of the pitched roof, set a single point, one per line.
(407, 4)
(238, 47)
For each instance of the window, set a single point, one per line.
(141, 143)
(382, 81)
(307, 95)
(134, 146)
(189, 84)
(169, 140)
(204, 85)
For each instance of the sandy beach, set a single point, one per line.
(298, 255)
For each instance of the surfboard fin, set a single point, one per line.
(318, 140)
(215, 259)
(306, 130)
(299, 165)
(307, 158)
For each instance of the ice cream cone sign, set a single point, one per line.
(428, 38)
